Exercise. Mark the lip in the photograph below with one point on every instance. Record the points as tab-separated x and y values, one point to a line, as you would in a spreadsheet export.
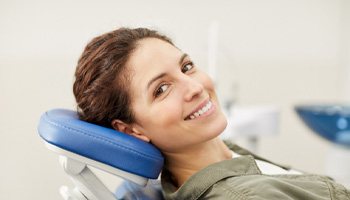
201	105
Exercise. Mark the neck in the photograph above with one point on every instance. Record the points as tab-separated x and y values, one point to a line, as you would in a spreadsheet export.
184	164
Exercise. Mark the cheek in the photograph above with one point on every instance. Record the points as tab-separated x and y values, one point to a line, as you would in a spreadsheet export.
162	115
168	112
163	128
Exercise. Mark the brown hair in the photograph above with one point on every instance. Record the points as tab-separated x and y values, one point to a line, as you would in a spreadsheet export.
101	79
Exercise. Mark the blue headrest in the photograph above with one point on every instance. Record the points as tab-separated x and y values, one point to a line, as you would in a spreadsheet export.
63	129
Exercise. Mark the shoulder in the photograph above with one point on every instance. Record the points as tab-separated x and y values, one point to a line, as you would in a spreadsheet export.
257	187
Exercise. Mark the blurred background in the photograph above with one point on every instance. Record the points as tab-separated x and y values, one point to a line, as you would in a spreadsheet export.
278	53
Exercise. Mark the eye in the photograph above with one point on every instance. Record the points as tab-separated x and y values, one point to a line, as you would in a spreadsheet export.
187	67
160	90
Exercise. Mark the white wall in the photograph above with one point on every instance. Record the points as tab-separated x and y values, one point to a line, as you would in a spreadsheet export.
278	52
344	51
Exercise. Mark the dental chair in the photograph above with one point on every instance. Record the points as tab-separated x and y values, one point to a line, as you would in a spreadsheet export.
82	145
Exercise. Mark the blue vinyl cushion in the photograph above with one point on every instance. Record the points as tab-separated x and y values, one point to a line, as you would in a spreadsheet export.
64	129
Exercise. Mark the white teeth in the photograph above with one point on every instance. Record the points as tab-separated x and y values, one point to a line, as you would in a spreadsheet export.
201	111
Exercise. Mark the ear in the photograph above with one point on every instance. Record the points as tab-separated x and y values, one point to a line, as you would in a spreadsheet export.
129	129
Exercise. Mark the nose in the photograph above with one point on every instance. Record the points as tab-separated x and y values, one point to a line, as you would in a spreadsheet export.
192	88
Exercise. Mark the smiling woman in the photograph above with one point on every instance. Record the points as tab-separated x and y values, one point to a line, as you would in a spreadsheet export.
138	82
165	80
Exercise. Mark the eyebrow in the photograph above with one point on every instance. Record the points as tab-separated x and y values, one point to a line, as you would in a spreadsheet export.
182	58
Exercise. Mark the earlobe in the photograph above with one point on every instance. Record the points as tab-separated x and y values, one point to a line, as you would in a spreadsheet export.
128	129
140	136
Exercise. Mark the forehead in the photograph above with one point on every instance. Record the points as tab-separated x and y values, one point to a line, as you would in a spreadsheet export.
151	51
150	58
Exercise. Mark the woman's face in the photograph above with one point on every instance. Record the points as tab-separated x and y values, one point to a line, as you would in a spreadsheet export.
174	103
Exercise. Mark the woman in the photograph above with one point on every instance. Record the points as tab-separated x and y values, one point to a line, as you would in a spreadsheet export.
138	82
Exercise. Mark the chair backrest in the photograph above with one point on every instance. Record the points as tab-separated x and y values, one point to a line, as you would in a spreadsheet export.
63	129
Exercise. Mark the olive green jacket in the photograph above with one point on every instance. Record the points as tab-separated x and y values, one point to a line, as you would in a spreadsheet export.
241	179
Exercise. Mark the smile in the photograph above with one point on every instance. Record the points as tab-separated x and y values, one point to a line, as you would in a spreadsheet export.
201	111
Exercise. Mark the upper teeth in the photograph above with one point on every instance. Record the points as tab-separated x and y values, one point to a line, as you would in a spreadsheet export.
201	111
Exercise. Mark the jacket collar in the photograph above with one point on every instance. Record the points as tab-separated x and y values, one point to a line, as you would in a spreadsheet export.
198	183
237	149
